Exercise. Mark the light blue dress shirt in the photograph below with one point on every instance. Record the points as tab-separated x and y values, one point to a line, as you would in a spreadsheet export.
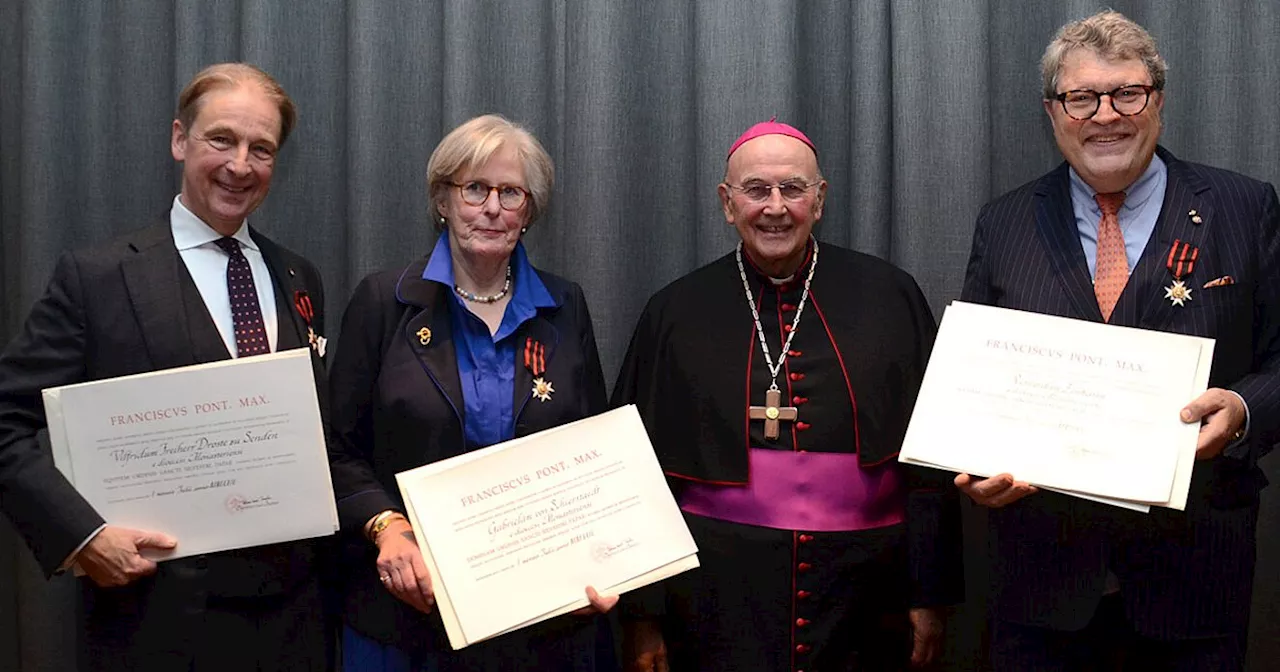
1142	202
1138	217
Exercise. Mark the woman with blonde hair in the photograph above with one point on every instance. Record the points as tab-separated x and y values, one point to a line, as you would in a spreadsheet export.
463	349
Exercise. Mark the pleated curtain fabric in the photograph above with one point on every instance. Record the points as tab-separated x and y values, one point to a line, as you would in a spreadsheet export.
921	111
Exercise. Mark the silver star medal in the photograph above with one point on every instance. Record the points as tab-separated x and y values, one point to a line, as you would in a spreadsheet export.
542	389
316	341
1178	293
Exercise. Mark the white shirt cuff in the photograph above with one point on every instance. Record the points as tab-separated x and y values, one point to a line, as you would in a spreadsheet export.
71	558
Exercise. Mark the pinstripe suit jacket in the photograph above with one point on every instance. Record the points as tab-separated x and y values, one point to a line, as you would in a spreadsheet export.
1182	574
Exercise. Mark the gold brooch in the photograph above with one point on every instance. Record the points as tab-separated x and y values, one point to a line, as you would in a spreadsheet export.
424	336
542	389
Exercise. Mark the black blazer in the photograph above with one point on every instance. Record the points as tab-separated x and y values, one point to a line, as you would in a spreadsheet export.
1182	574
397	404
123	307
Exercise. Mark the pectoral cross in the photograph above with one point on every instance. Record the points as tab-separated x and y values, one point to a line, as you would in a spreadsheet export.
772	412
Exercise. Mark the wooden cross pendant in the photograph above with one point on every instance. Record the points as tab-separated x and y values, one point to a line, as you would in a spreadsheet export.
771	413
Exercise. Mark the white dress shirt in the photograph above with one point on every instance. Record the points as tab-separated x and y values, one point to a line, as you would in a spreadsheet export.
207	264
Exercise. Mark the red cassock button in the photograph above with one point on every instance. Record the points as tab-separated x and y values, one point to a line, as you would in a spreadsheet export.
806	538
787	306
794	353
803	426
796	376
803	594
803	648
804	567
799	400
786	328
801	622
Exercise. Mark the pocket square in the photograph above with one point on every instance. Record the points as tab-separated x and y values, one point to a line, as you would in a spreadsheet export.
1220	282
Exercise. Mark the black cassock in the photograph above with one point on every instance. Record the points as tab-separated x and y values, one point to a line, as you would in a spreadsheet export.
790	599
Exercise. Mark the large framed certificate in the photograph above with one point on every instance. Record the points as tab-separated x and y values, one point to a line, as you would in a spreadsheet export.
512	534
1075	406
219	456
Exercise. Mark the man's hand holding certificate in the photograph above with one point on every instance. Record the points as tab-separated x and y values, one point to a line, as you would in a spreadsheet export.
215	456
1083	408
514	533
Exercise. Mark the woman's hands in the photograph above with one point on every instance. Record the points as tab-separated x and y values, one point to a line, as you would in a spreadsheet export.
400	566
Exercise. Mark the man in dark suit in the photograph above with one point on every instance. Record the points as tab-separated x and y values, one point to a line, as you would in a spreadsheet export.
156	299
1126	233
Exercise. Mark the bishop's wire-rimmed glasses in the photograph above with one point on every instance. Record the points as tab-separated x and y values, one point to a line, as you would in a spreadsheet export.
759	191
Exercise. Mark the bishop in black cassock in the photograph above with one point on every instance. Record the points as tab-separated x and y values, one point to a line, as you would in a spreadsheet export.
818	550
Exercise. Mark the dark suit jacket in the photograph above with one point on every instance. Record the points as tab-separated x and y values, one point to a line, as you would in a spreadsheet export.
1182	574
123	307
397	404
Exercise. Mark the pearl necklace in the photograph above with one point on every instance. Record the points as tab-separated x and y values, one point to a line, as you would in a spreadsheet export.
492	298
795	322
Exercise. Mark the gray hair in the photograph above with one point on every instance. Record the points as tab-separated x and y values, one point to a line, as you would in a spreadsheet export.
1109	34
472	144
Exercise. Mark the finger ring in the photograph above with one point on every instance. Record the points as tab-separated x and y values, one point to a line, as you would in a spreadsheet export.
385	578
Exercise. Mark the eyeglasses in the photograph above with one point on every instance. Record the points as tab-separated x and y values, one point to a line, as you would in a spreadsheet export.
759	192
510	197
1128	100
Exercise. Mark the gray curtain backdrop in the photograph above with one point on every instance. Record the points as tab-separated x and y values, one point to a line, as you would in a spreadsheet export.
922	111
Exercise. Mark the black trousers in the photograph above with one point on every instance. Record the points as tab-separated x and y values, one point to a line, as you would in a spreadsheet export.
1109	644
168	628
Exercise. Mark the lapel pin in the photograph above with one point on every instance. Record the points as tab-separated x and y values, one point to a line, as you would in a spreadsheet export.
424	336
292	273
1195	217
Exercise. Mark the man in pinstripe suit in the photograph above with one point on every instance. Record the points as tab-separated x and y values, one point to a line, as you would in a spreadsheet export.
1125	232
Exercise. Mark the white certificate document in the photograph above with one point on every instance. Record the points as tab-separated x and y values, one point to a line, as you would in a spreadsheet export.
219	456
1069	405
514	533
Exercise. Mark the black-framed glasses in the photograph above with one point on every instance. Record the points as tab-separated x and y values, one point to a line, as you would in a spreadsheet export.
759	191
475	192
1127	100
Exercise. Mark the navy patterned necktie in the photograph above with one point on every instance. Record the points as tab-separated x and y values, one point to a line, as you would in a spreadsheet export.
246	314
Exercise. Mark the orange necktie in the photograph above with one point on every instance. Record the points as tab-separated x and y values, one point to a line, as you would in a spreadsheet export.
1112	267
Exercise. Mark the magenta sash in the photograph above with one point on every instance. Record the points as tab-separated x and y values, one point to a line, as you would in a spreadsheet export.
818	492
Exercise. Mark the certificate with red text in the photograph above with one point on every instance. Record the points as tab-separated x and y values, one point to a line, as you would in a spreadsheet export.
514	533
219	456
1084	408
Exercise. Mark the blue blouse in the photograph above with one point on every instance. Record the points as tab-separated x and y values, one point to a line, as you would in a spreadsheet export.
487	363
